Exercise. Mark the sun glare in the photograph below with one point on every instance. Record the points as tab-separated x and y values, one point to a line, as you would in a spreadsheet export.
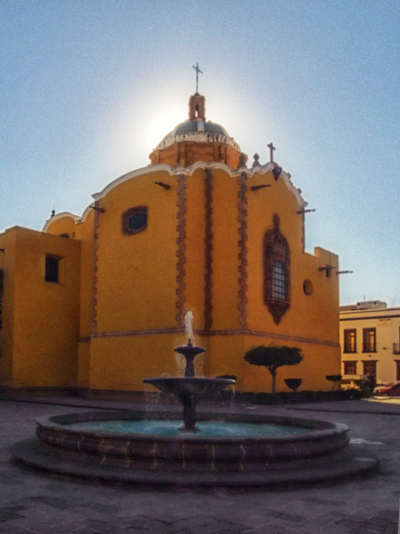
162	123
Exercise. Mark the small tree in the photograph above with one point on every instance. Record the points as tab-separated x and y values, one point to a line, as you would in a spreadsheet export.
272	357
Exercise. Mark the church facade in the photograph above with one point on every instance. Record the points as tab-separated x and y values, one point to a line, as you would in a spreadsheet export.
96	303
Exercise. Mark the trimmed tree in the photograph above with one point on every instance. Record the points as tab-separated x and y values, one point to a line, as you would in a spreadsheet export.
272	357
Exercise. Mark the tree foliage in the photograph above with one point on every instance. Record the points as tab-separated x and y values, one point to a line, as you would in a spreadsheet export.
273	357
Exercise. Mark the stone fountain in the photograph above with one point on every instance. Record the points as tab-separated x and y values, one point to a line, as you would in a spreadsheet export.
210	449
190	389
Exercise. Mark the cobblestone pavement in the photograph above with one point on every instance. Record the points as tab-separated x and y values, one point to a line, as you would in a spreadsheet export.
35	502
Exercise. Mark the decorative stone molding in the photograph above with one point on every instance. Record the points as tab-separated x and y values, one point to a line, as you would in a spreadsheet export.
276	249
242	245
181	251
95	268
187	171
208	197
231	332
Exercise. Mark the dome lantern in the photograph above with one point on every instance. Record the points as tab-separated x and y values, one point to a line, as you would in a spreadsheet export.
197	107
197	140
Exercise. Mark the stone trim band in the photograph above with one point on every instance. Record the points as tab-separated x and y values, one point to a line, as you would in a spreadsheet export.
180	253
242	245
179	330
208	252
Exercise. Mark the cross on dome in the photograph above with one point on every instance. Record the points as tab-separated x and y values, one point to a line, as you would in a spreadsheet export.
271	151
196	68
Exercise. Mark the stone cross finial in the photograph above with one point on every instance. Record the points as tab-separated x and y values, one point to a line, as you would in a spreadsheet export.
271	152
196	68
256	163
242	160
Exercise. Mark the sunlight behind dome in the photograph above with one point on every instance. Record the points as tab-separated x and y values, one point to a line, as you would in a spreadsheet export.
163	123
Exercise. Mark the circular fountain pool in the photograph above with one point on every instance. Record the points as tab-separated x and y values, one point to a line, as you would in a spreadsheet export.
244	450
204	428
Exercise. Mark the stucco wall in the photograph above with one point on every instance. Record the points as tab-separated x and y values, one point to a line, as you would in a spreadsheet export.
202	250
41	319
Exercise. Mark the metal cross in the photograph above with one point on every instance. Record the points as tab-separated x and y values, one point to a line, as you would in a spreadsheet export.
271	152
196	68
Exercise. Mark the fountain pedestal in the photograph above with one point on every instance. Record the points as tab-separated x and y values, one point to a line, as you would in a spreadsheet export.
189	389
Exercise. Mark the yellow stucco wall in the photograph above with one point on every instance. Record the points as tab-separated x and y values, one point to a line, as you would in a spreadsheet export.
121	310
137	273
41	319
195	239
82	231
225	356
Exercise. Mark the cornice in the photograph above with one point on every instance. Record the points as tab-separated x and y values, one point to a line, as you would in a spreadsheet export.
199	136
61	215
186	171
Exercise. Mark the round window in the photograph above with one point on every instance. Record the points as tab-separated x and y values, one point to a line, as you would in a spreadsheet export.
307	287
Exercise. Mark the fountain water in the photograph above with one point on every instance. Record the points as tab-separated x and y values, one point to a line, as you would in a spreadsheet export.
227	449
189	390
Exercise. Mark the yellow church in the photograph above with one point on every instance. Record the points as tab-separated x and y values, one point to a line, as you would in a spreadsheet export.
95	303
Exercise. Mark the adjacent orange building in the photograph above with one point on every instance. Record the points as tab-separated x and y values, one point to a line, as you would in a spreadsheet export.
97	302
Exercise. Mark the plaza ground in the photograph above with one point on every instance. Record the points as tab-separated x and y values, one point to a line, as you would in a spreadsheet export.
37	502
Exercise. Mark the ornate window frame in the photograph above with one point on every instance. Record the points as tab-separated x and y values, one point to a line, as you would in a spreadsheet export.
128	214
276	249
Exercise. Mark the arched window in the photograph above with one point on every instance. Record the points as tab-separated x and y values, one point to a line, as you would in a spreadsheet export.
279	280
276	271
134	220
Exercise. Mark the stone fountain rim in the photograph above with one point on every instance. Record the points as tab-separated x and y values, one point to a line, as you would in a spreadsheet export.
323	429
345	461
227	381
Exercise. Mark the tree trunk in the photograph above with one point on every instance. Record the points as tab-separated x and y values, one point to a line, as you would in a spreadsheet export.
273	373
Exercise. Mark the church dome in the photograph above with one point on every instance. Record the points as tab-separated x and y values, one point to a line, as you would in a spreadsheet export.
198	131
199	126
197	139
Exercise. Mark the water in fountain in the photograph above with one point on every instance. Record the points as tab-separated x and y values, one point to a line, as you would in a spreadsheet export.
189	389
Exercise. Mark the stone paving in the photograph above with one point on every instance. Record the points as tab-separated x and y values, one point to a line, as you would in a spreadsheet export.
36	502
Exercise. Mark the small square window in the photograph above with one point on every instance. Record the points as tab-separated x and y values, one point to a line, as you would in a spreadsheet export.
51	269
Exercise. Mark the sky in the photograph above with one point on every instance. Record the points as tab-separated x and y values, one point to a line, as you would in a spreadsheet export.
89	87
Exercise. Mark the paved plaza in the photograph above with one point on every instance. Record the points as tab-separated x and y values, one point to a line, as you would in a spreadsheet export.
37	502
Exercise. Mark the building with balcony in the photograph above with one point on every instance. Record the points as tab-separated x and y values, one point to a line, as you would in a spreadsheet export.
370	340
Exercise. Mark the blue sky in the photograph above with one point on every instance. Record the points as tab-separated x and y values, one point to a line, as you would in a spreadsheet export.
88	89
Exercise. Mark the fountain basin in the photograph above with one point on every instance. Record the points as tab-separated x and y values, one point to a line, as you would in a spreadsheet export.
318	453
57	435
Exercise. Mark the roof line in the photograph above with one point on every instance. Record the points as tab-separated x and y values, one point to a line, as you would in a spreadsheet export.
187	171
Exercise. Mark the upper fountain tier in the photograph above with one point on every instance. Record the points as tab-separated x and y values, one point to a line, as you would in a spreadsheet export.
197	139
189	389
